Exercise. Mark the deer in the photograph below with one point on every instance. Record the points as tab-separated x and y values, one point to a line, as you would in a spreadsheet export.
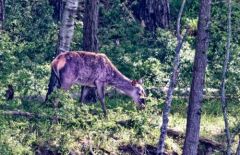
94	70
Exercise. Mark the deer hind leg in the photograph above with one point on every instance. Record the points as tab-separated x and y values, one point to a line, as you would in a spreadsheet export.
100	92
67	79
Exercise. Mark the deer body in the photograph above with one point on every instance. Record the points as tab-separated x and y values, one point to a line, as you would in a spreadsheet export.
94	70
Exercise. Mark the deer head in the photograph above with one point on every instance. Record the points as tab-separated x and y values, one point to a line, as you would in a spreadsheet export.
138	94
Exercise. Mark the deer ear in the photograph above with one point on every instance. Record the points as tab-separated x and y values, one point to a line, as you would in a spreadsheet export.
140	81
134	82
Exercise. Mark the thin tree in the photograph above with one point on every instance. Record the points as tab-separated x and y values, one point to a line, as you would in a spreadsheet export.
67	25
198	80
90	42
172	83
2	13
223	81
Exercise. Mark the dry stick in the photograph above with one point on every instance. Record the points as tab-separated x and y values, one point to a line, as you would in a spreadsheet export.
223	82
172	85
125	8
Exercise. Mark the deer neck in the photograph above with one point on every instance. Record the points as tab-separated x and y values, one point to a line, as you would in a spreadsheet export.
121	82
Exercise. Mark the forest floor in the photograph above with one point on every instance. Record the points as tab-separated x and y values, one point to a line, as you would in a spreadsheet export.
71	128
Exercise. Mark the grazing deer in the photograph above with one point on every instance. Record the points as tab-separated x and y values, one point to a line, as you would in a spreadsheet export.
94	70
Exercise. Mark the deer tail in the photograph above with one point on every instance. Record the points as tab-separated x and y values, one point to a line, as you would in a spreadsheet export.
53	82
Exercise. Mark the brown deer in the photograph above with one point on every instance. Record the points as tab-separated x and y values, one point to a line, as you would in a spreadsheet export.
94	70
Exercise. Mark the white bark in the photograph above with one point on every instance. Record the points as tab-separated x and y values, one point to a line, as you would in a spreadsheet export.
67	25
223	83
172	85
238	149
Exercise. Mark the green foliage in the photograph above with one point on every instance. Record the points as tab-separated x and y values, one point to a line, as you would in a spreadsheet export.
24	47
31	23
82	128
152	72
218	48
76	43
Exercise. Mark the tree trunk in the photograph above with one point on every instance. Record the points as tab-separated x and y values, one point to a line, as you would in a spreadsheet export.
223	82
238	148
67	25
58	6
198	80
90	42
153	13
172	85
2	13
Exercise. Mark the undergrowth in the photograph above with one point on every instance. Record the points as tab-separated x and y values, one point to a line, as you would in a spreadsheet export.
83	129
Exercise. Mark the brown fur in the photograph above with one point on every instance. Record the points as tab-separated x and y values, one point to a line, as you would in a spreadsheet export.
58	63
88	66
94	70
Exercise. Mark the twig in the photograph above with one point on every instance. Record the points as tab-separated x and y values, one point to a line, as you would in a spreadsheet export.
128	11
135	150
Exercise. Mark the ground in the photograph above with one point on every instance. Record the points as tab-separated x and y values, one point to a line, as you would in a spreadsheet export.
81	128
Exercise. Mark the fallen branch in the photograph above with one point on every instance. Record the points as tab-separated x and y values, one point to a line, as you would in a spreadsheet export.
29	115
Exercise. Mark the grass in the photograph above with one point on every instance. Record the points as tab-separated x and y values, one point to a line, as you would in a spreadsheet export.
84	129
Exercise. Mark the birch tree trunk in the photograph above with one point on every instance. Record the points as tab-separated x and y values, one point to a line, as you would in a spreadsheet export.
238	148
90	42
67	25
172	85
223	82
2	13
198	80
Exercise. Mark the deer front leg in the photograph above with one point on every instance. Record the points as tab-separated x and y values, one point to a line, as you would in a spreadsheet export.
83	94
100	92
